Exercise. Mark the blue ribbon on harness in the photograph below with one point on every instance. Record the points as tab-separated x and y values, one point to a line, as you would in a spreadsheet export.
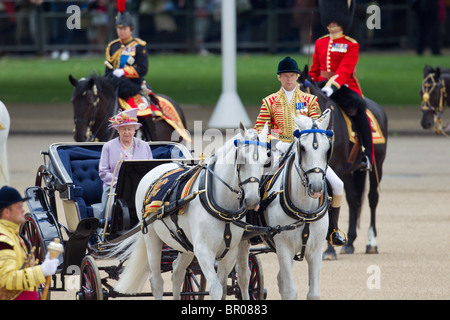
258	143
298	133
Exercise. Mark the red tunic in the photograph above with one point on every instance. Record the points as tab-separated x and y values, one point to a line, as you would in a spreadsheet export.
335	60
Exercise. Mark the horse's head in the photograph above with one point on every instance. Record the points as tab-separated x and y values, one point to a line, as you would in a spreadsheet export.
313	148
308	85
85	102
251	155
434	97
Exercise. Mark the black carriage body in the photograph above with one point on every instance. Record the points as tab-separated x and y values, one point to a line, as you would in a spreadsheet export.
71	169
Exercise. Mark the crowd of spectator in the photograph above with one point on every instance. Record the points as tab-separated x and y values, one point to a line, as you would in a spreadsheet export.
195	25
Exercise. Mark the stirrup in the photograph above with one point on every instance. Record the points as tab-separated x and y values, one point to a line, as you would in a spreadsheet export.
337	232
365	165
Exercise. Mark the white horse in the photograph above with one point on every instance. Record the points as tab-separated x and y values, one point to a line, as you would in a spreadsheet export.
5	123
233	176
300	184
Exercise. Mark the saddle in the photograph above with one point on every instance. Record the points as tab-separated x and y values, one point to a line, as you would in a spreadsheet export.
170	192
157	107
167	196
377	134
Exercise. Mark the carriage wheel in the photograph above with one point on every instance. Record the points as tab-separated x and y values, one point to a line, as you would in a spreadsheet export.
90	281
33	234
193	282
256	285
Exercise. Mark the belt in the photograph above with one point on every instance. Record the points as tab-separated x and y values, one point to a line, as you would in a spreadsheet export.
326	74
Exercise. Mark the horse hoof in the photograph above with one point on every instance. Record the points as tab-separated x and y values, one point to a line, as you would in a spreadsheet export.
329	255
371	249
347	249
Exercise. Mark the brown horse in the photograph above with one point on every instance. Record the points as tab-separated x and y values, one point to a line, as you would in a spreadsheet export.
94	102
435	98
354	179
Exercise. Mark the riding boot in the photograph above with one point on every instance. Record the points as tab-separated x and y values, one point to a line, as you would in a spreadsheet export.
336	240
364	129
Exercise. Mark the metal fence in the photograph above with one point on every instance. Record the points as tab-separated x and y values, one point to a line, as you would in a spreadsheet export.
270	26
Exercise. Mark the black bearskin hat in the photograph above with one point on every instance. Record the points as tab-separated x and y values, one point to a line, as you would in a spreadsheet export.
339	11
288	65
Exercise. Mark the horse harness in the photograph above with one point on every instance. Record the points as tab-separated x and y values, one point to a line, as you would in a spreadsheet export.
427	89
206	175
302	217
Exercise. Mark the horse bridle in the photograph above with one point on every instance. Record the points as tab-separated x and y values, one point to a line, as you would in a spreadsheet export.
90	136
237	143
207	198
241	183
427	89
303	174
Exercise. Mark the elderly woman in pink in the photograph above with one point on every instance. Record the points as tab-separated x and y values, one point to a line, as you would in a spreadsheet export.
126	147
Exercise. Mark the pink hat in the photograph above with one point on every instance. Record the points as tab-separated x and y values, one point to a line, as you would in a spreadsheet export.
125	118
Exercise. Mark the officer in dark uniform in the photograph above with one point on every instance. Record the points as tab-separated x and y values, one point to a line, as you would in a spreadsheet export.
126	59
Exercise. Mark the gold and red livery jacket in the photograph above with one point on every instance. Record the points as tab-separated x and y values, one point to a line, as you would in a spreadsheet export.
277	111
17	274
335	58
132	57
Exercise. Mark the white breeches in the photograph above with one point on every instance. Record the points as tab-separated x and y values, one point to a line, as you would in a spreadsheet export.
337	186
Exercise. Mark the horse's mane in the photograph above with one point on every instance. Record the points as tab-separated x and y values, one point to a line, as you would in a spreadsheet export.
100	81
225	154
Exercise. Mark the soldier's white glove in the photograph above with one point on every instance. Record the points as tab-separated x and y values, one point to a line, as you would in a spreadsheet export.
328	91
118	73
49	266
282	146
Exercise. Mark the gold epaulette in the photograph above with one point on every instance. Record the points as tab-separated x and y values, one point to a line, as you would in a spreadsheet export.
351	39
140	42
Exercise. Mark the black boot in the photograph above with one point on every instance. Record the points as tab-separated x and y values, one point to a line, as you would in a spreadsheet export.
333	236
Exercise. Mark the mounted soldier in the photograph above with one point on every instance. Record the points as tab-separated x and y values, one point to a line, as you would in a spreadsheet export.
334	67
127	65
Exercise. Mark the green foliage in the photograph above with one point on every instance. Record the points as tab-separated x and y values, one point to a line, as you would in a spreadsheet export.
389	79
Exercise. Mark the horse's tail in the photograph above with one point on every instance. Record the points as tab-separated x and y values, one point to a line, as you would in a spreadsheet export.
136	270
4	168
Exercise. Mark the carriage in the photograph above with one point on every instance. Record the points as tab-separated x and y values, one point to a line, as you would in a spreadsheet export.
71	170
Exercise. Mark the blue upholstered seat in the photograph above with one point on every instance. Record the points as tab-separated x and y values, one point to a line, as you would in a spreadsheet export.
81	164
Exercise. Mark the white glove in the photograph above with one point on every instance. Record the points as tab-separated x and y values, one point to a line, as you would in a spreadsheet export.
328	91
118	73
49	266
282	146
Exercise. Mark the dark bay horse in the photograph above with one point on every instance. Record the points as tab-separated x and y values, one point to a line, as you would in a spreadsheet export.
354	179
435	97
94	101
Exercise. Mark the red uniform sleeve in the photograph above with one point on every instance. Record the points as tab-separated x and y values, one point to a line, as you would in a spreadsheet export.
314	72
